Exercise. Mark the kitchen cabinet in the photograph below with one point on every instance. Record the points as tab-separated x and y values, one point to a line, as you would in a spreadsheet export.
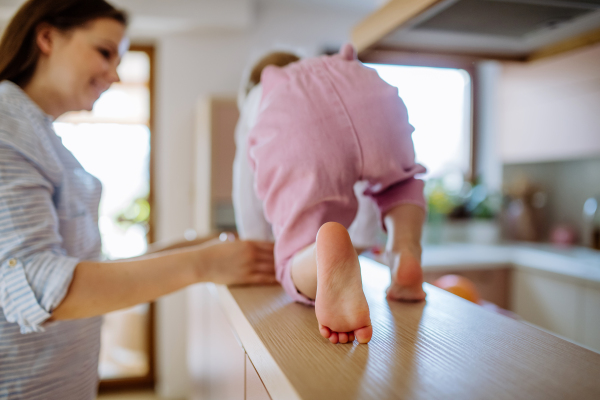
591	316
549	301
556	290
216	360
254	388
548	110
493	285
218	364
566	306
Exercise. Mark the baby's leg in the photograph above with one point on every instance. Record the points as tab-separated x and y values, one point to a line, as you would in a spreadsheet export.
328	271
404	223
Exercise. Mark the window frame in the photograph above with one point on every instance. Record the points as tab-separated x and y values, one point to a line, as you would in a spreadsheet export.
147	381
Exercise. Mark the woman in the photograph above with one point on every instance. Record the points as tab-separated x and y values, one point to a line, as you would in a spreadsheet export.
59	56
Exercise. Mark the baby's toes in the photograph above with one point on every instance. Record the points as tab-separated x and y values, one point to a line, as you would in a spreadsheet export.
325	331
343	337
363	335
333	338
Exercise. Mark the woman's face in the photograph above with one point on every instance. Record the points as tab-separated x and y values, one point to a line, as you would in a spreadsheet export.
82	63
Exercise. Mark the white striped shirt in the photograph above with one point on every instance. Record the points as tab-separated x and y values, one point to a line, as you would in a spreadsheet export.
48	223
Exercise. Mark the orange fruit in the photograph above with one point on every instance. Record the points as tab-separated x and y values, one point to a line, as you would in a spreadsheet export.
458	285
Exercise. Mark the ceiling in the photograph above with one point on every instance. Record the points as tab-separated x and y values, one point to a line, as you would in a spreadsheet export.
153	18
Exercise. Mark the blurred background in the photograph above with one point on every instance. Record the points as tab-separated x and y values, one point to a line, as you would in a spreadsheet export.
504	97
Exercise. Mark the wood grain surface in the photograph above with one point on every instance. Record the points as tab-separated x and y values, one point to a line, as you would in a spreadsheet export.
386	19
444	348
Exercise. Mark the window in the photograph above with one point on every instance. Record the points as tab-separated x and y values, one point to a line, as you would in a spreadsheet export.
439	107
112	142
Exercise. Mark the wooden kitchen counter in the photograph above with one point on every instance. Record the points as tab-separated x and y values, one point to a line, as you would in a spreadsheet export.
443	348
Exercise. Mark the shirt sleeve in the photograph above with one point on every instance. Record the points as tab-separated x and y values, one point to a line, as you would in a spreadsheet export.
35	271
249	215
365	231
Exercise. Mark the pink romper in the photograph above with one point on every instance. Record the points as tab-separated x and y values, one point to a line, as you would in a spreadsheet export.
324	124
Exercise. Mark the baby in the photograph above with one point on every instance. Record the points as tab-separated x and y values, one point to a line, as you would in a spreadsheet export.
365	231
324	124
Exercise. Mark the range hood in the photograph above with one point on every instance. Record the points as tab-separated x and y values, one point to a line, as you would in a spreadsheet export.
504	29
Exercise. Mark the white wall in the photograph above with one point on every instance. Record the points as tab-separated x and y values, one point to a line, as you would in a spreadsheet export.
488	164
194	65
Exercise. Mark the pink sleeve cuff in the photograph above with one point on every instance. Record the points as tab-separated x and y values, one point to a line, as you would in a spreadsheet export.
409	191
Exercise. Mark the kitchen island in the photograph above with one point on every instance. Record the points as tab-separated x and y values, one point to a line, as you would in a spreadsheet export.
445	347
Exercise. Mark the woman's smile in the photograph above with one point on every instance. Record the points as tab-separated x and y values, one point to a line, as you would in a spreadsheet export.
99	88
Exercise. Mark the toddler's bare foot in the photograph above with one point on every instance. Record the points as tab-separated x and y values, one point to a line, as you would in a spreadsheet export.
407	278
340	304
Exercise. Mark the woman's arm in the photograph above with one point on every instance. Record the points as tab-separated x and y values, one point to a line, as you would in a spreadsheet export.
157	247
101	287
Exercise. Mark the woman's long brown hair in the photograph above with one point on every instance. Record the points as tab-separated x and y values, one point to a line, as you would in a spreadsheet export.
19	52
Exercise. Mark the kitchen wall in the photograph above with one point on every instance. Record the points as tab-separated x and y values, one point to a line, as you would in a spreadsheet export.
567	183
549	130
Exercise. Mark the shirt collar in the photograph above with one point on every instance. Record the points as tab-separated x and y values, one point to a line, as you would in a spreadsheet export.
14	91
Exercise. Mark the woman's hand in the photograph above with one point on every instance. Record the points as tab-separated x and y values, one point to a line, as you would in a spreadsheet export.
237	262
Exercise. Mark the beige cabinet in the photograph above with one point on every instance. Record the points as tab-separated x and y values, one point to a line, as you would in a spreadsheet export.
493	285
549	301
549	108
216	360
254	387
559	304
591	316
219	367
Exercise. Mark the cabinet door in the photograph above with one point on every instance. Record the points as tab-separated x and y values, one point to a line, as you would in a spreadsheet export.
591	316
549	108
216	360
492	284
548	301
255	390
